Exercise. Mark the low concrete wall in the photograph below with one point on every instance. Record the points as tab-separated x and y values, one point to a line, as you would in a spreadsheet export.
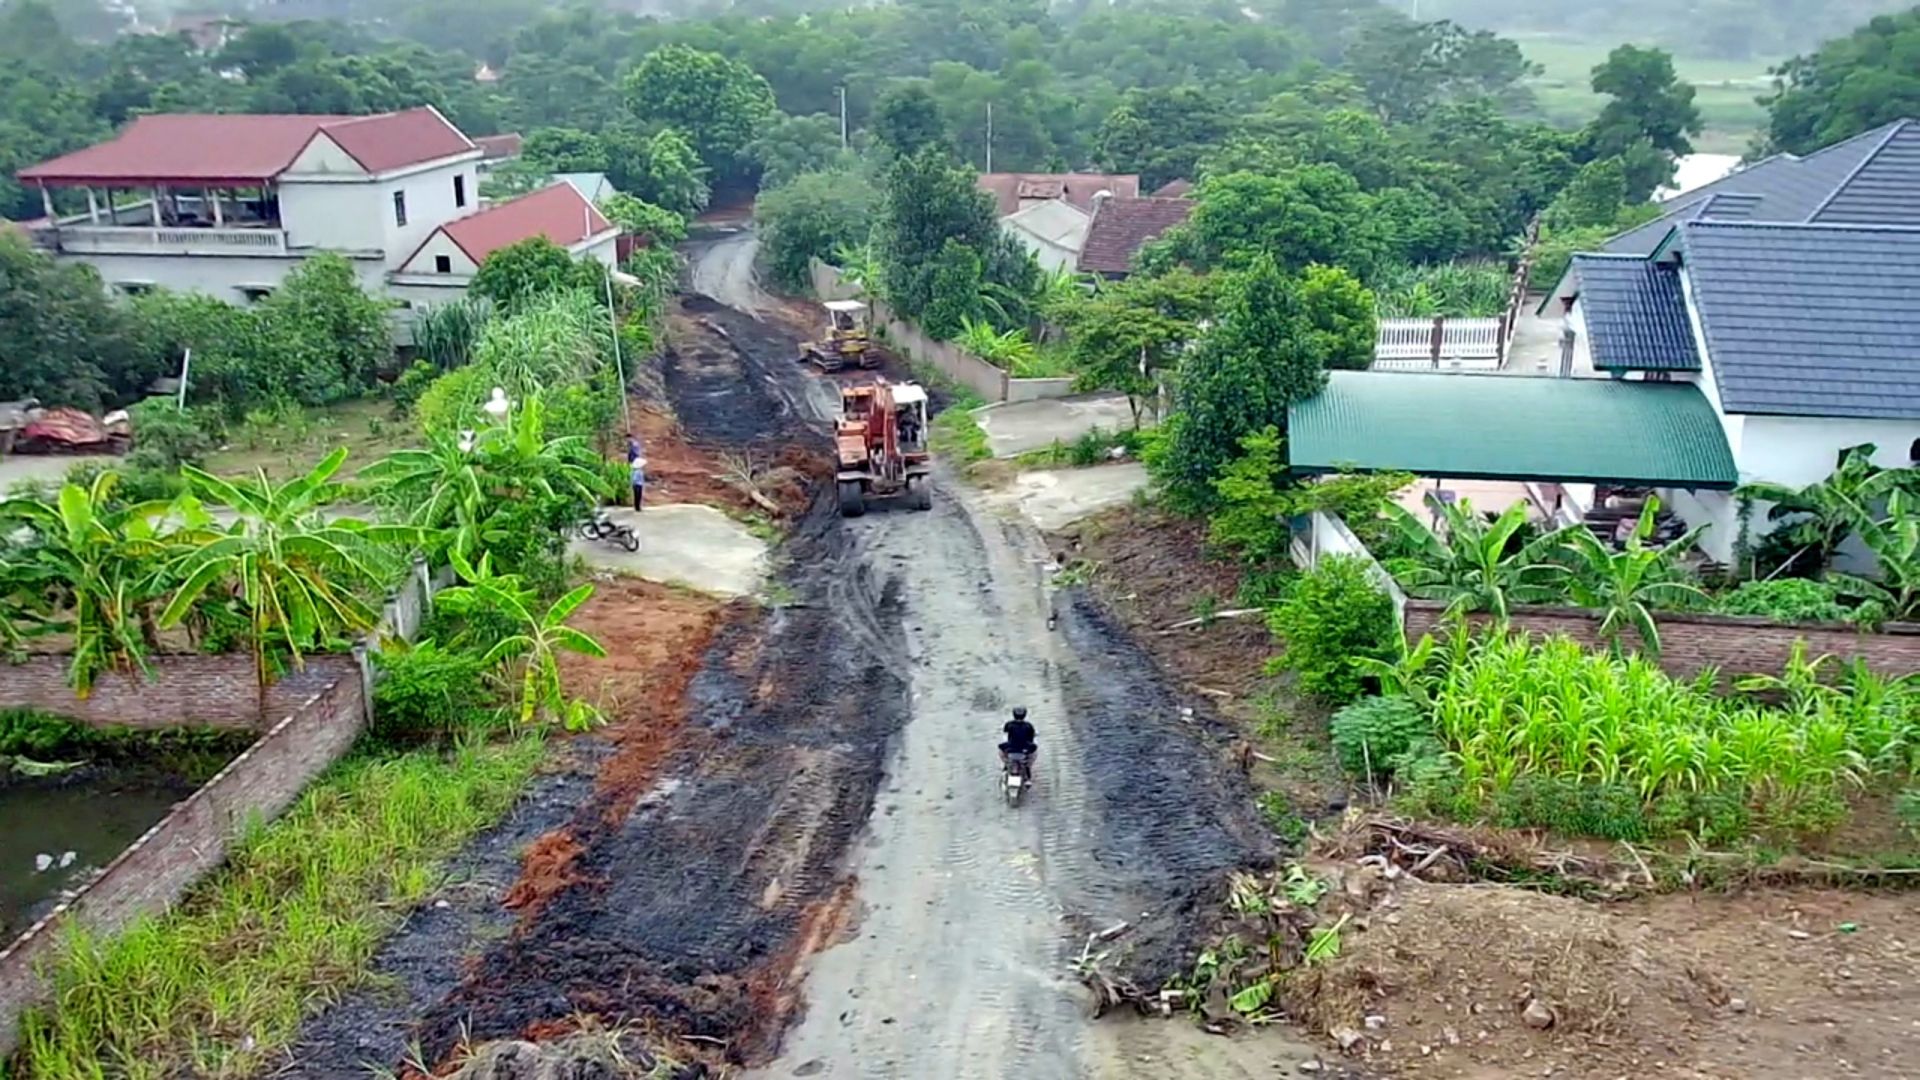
213	691
148	877
1320	534
1736	645
1038	389
970	371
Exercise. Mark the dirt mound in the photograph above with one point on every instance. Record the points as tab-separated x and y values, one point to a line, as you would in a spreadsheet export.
1451	965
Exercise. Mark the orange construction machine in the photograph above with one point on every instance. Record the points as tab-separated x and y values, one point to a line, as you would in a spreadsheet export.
881	437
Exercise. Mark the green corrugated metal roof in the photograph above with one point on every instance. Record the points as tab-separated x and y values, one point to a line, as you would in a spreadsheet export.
1512	427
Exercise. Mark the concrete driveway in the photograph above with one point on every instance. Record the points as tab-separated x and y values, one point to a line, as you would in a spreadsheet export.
1056	498
1014	429
683	544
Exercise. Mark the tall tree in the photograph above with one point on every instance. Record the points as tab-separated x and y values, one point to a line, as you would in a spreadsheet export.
927	202
907	120
1649	103
1848	85
1263	355
1312	214
1161	133
720	104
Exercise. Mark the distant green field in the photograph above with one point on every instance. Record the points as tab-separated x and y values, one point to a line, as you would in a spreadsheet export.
1726	88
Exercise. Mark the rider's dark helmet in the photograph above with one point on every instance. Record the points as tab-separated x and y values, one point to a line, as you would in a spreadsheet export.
1019	712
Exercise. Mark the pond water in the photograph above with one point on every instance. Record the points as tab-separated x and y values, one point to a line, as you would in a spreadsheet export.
94	817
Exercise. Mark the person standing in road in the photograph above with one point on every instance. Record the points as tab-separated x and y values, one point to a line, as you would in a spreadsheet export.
637	468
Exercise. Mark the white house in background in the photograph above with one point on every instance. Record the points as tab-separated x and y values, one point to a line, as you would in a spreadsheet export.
228	205
445	262
1798	334
1054	230
594	185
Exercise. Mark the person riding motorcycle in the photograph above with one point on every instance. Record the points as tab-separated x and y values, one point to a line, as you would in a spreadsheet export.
1019	735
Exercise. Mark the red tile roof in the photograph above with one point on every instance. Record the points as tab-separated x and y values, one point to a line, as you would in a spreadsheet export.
189	148
559	213
1174	189
1008	189
1121	227
498	147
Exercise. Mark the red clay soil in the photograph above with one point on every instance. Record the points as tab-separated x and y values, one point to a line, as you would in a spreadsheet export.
655	636
547	869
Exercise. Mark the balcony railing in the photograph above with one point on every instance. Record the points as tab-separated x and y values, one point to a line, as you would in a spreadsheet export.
147	240
1437	344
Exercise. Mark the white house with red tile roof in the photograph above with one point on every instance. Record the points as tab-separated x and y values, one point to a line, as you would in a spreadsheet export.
228	205
450	256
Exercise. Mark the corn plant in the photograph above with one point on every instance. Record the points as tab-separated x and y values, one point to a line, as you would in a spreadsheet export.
1509	706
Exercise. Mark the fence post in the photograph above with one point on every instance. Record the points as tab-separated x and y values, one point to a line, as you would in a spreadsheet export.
1433	344
365	664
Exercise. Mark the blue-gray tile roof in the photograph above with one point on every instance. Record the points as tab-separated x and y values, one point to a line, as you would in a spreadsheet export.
1873	177
1636	314
1808	320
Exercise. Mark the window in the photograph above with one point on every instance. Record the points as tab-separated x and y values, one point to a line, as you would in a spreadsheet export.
1913	452
135	288
400	208
460	190
443	264
253	294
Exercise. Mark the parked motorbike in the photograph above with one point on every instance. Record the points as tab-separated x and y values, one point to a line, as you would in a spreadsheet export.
603	528
1017	775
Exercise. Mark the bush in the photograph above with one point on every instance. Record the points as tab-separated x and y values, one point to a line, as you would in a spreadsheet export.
1572	807
166	436
1907	808
1333	615
452	401
1374	737
1786	600
429	692
412	384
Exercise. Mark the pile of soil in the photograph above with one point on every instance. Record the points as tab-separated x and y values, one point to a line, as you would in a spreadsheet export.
1450	979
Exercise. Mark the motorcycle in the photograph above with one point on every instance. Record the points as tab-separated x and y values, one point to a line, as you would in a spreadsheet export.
1017	775
603	528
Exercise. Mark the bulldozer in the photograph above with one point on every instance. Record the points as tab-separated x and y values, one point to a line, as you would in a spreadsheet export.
847	340
881	439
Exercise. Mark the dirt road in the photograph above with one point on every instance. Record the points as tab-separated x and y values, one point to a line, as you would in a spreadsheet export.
970	914
794	850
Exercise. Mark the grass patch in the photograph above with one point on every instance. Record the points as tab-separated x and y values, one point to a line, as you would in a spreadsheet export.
218	987
958	437
1093	448
287	442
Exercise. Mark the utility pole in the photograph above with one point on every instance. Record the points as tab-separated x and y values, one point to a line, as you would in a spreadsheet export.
989	136
843	118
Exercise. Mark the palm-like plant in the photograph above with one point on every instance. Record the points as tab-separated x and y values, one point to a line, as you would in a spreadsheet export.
455	483
1466	562
99	564
299	575
554	341
859	266
1895	543
534	646
1819	516
1627	585
1007	351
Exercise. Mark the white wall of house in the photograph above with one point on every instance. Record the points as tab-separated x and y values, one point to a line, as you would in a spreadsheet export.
603	249
223	277
327	202
1798	451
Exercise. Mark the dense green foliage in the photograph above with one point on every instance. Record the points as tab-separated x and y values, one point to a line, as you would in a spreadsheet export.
1508	708
1379	736
1331	620
1848	85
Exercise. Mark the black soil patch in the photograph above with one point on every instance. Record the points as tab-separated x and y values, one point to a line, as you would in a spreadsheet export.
689	911
1177	813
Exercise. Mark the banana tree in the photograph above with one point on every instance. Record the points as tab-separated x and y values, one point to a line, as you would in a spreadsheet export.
302	576
1895	544
1628	585
534	646
456	482
1820	516
89	568
1466	562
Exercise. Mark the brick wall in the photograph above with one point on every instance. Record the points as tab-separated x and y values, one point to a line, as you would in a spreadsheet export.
211	691
1737	645
153	873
